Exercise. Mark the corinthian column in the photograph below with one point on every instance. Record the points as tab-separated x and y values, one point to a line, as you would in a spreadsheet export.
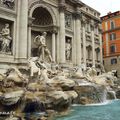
78	37
53	46
84	39
100	39
93	43
62	31
23	23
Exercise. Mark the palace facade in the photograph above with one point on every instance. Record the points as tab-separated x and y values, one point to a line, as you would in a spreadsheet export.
111	41
70	25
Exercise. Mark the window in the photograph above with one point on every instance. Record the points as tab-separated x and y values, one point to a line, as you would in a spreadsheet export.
112	25
102	39
113	61
106	26
96	30
112	36
87	27
103	62
103	51
112	48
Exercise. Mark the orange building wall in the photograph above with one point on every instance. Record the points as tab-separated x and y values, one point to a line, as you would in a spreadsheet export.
110	42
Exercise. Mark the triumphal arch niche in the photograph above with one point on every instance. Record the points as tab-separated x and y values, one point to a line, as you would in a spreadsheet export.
42	19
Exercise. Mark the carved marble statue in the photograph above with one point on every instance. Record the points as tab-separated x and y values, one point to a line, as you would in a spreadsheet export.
68	49
40	41
33	67
6	39
37	66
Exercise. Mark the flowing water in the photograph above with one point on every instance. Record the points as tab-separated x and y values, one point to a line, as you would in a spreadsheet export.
107	111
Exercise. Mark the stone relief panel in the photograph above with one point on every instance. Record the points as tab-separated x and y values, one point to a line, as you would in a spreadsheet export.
8	3
68	21
5	38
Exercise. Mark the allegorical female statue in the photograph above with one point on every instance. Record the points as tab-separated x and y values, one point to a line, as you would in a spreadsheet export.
6	39
68	49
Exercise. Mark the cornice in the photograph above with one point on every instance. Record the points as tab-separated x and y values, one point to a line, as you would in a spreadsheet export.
91	16
77	3
8	12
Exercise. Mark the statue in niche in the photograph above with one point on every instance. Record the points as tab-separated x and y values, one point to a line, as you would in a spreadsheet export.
6	39
40	41
8	3
68	49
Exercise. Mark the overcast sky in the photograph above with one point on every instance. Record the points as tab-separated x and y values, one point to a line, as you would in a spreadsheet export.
103	6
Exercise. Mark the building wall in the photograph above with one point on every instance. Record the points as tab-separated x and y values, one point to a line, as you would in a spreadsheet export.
107	43
109	66
63	13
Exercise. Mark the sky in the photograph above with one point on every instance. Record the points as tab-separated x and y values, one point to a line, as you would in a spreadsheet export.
103	6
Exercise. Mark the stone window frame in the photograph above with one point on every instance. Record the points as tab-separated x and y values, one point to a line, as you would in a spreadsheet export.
97	50
87	27
89	50
96	30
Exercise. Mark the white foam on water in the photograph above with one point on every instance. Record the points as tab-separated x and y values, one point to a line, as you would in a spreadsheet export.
97	104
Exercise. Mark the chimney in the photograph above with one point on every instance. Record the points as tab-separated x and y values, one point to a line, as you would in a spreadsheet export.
109	13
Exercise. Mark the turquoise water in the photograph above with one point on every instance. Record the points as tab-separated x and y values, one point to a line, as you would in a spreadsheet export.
102	112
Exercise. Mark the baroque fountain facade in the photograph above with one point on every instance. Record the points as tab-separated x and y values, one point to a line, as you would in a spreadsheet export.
50	58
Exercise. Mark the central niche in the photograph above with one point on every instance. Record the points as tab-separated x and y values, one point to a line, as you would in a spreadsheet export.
42	23
34	47
42	17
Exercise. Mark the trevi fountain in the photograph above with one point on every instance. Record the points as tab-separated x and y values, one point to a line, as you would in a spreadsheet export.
44	90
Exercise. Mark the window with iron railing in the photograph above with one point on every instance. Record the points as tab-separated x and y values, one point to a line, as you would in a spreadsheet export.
112	36
112	49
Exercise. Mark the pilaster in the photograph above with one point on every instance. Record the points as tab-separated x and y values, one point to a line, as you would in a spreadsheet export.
100	39
78	36
53	45
93	42
84	38
62	30
23	21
